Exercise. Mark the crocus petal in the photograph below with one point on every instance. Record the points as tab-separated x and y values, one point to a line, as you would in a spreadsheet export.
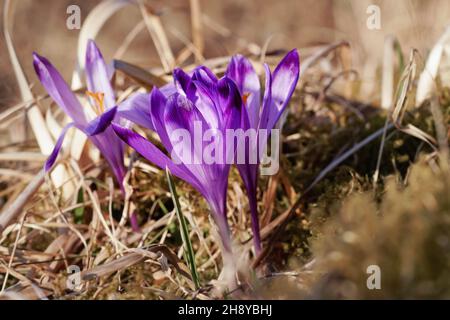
241	71
267	99
184	84
157	106
204	74
284	80
233	111
207	104
136	108
206	77
110	70
180	114
230	101
111	147
100	123
52	158
249	171
58	89
168	89
249	174
97	77
149	151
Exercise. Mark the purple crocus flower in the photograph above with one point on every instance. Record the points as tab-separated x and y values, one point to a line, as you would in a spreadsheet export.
279	87
200	102
103	102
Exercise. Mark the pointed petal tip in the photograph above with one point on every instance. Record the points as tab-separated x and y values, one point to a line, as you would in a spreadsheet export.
48	165
240	58
237	57
36	62
294	51
204	74
284	80
155	89
101	123
292	57
227	85
181	76
42	66
36	56
92	51
156	93
54	155
177	70
39	62
289	67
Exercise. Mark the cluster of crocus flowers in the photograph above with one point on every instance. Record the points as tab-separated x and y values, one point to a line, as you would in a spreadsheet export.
230	103
195	101
217	106
94	119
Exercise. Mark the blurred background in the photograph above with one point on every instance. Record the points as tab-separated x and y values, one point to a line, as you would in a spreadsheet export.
264	30
228	27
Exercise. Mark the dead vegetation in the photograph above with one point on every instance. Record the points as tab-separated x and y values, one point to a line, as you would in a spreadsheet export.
348	194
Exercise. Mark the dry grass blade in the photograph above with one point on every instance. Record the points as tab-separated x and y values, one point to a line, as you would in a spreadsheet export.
22	156
380	153
442	130
91	26
129	39
11	258
196	22
159	38
52	125
387	81
140	75
311	60
341	142
16	173
121	263
269	200
404	88
428	76
134	257
37	122
190	47
34	115
25	290
10	214
387	92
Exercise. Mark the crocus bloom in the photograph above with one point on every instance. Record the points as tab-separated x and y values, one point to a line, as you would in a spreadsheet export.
216	105
102	101
279	87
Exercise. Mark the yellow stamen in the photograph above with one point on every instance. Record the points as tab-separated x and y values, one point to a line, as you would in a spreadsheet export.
98	98
245	97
